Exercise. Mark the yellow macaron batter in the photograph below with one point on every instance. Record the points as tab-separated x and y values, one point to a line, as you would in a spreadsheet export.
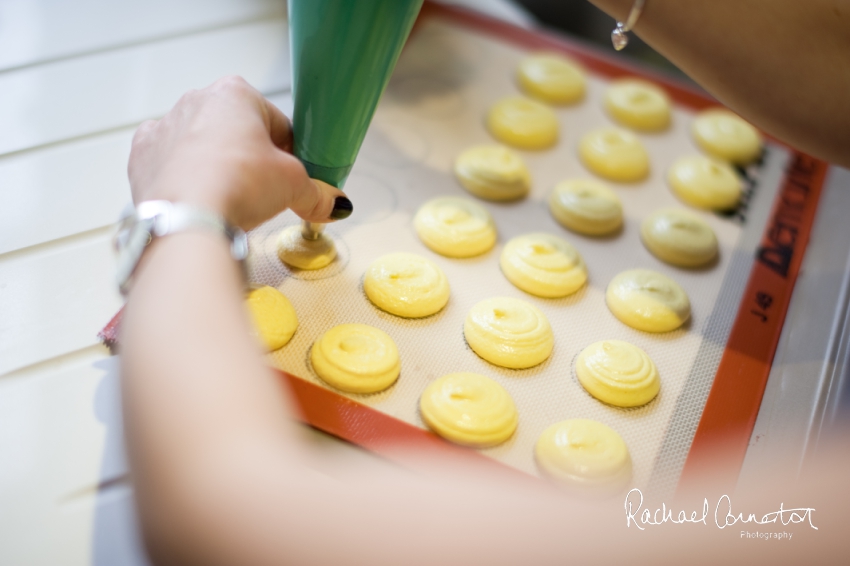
455	227
493	172
552	78
509	332
469	409
296	251
647	300
586	206
614	154
523	123
705	182
273	316
356	358
725	135
406	285
618	373
638	104
544	265
679	237
584	456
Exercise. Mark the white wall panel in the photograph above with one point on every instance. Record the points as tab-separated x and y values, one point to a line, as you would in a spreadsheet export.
39	30
71	98
55	300
55	428
63	190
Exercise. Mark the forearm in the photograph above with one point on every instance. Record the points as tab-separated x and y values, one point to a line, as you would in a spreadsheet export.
219	472
221	476
782	64
196	390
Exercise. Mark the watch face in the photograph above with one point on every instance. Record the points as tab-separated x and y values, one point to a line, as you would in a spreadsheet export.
130	242
159	218
119	241
239	245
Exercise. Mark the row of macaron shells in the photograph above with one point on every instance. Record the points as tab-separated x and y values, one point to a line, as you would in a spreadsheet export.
471	409
589	206
494	415
702	182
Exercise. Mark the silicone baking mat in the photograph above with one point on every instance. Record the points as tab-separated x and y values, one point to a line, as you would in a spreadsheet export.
453	68
713	370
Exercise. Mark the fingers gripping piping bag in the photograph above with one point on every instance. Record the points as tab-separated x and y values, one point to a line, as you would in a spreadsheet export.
343	54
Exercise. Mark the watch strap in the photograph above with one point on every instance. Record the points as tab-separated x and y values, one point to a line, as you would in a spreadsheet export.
158	218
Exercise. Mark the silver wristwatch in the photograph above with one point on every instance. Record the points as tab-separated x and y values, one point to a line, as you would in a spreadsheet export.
156	218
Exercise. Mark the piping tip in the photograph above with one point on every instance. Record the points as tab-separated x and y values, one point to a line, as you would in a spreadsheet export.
311	230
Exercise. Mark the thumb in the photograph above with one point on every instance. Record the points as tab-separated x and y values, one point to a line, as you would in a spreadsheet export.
317	201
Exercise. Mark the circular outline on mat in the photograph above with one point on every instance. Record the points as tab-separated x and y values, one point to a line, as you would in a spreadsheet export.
379	182
337	266
454	100
406	162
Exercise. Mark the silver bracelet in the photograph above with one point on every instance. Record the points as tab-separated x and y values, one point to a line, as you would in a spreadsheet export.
618	36
156	218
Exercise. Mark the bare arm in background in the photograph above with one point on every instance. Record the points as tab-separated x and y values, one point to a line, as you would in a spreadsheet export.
784	65
220	474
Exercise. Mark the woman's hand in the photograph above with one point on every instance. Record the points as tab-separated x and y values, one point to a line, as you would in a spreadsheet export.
227	149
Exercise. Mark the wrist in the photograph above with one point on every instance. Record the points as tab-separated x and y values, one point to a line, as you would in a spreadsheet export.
205	199
152	220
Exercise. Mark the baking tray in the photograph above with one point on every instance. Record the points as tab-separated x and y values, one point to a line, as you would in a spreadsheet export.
713	370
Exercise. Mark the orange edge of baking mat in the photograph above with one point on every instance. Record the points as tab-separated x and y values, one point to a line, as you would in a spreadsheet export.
727	422
383	434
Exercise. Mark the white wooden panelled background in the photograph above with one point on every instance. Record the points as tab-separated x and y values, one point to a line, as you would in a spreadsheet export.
76	78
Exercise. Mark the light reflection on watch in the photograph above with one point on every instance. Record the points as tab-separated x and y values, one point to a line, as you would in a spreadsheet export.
156	218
